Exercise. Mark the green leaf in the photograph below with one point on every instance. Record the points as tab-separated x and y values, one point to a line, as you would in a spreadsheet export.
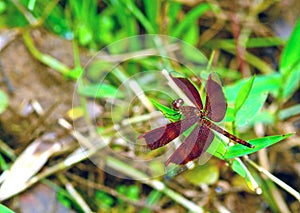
289	112
291	81
259	143
218	148
190	18
153	197
239	167
250	102
139	15
251	43
56	20
99	91
230	116
264	117
4	209
291	53
169	113
204	174
3	101
174	10
191	36
3	7
289	65
63	198
264	83
152	9
84	33
133	192
194	55
251	107
104	200
243	94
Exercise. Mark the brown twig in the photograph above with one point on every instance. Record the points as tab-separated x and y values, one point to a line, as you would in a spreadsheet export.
6	80
240	51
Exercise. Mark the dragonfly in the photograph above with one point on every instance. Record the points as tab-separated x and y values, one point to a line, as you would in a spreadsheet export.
204	119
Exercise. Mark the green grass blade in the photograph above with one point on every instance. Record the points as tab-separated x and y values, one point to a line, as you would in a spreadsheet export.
250	58
190	18
152	9
291	52
173	11
130	5
289	64
191	36
99	91
153	198
251	43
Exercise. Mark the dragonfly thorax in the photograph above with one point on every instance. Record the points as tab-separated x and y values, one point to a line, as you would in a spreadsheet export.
189	111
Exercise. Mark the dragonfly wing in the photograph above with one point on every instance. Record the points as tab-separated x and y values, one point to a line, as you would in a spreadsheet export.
163	135
189	89
193	146
215	106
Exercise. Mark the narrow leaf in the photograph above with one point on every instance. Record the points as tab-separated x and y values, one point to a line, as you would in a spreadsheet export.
291	81
289	112
190	18
3	101
264	83
243	94
239	167
99	91
250	108
153	197
259	143
4	209
217	148
169	113
139	15
289	65
291	52
152	10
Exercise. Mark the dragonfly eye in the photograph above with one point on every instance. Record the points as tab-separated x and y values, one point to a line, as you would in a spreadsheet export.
177	103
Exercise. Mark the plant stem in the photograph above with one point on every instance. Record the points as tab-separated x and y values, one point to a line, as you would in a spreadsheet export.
276	180
158	185
45	59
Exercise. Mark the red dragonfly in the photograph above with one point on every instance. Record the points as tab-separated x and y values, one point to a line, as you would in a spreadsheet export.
202	135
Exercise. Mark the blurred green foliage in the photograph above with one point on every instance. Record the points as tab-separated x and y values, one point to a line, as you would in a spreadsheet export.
3	101
4	209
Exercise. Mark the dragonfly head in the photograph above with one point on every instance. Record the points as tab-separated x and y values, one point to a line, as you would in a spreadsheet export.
177	103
